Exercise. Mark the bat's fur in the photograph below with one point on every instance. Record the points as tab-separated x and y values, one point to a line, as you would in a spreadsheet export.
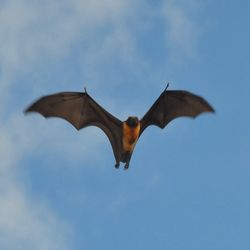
131	131
130	134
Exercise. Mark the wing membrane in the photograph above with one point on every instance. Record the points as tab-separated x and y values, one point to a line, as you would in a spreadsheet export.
81	111
174	104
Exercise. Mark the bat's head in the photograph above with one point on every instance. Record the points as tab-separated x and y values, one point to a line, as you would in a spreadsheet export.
132	121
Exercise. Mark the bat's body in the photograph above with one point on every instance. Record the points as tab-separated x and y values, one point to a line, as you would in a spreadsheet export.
82	111
130	135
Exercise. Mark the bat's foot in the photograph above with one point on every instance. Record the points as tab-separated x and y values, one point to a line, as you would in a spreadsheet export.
117	165
126	166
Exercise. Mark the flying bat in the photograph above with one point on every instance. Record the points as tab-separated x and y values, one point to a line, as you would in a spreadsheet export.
81	110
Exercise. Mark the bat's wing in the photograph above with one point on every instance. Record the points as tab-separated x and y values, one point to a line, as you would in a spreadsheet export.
173	104
81	111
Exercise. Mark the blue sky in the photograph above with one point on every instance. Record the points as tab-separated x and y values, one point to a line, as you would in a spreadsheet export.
187	186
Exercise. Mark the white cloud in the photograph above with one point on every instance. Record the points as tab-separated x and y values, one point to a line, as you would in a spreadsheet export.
29	225
25	223
34	31
182	30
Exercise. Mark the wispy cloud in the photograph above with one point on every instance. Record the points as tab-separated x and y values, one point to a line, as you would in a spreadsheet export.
32	32
26	224
182	30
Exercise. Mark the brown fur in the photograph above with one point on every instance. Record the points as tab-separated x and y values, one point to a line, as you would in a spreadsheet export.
130	136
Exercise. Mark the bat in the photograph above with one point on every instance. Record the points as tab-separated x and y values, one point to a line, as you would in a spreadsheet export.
81	110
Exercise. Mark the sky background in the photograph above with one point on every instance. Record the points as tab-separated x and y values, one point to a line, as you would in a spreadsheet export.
188	186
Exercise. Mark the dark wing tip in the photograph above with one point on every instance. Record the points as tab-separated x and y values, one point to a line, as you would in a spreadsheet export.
212	110
29	109
209	108
33	108
206	108
26	111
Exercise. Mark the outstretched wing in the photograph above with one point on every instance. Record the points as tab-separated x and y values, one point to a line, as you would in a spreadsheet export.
81	111
172	104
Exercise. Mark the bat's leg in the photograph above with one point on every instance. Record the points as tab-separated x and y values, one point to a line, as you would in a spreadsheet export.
117	164
126	166
128	157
